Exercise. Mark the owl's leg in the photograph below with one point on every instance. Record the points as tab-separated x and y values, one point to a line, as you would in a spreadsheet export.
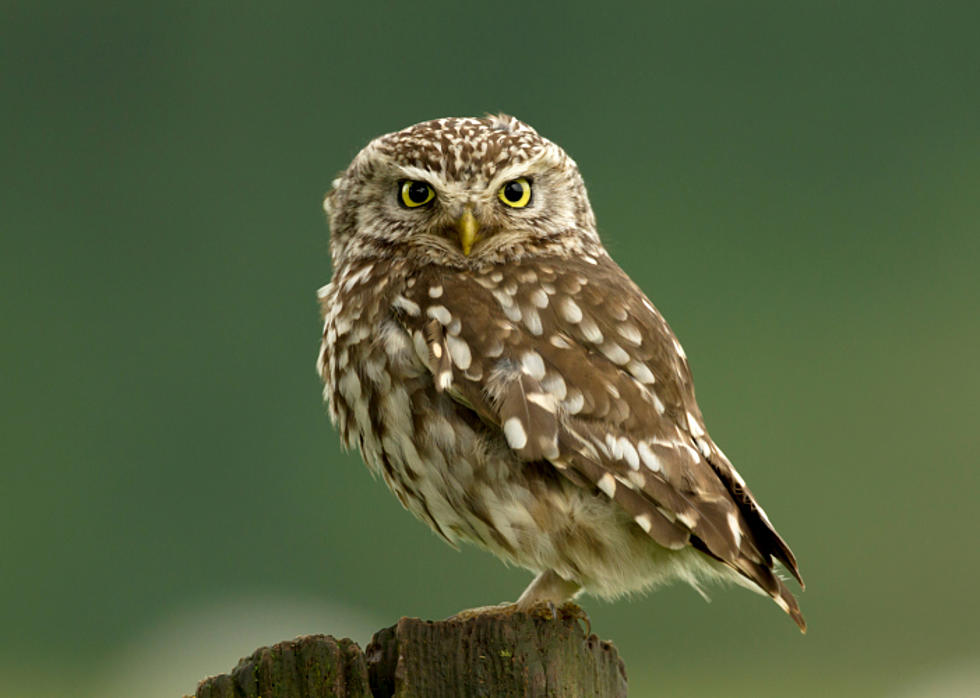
553	594
548	587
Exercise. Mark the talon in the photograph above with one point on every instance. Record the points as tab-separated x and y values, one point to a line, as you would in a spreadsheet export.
573	610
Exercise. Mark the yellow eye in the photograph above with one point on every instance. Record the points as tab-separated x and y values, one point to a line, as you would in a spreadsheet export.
516	193
415	193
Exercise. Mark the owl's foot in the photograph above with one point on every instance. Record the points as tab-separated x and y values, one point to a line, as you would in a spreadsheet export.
553	593
545	610
548	596
567	610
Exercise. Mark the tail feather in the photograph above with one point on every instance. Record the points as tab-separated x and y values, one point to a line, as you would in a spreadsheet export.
773	586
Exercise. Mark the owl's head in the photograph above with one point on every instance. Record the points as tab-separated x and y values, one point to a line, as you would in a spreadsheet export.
460	192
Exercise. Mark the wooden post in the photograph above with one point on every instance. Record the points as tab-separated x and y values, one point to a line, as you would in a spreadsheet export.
486	654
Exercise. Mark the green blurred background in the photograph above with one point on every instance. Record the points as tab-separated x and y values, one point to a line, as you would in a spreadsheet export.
796	185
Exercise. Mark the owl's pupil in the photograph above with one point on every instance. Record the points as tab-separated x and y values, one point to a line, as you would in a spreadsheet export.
514	191
418	192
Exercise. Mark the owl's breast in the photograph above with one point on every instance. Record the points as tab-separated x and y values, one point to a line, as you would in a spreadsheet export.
367	362
431	451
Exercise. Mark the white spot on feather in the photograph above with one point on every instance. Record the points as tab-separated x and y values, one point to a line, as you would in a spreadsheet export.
630	333
641	372
570	311
533	322
613	447
555	385
637	479
615	353
533	365
505	300
444	380
736	529
650	458
607	483
590	331
515	434
643	521
691	451
527	276
629	452
687	518
459	350
542	400
407	306
435	291
512	312
693	425
440	313
624	481
575	401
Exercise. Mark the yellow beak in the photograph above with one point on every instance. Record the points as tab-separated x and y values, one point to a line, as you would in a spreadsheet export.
467	228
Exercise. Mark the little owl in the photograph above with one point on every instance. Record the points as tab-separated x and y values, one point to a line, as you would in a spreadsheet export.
511	384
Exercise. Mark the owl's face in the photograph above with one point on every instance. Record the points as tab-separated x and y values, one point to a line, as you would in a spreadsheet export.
460	192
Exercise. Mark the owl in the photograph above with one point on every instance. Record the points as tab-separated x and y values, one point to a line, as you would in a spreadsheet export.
510	383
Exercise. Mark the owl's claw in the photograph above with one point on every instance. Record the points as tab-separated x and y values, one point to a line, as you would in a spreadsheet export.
551	611
573	610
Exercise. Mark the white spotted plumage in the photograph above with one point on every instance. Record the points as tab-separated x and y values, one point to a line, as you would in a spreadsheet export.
519	391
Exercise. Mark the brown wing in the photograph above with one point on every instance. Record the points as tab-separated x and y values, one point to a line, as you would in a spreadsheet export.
578	368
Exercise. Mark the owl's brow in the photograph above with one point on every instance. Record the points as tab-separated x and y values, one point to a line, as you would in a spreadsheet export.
413	172
512	171
518	169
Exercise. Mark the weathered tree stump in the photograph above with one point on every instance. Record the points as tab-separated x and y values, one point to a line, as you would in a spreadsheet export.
488	654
